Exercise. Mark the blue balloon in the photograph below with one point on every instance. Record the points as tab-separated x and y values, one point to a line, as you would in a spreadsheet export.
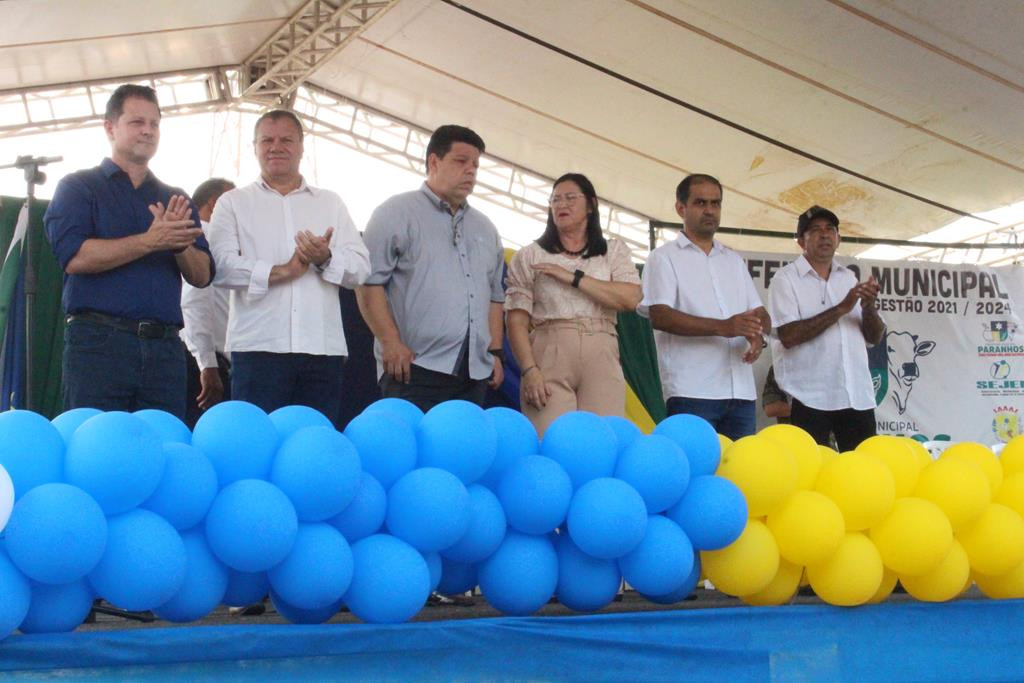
239	439
428	508
662	561
32	451
57	534
390	580
406	411
297	615
365	514
456	577
516	438
625	431
57	609
486	527
206	580
317	571
521	576
685	590
251	525
459	437
17	595
697	438
386	445
307	616
318	469
585	583
712	512
70	420
187	488
290	419
434	567
168	427
535	492
657	468
583	444
607	518
117	459
245	588
144	564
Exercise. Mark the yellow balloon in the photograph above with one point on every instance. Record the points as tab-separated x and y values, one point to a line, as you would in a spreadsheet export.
914	538
920	452
724	442
897	456
958	486
802	446
1008	586
885	588
851	576
826	455
781	589
763	471
808	527
995	541
1011	458
982	457
861	486
746	566
943	583
1011	493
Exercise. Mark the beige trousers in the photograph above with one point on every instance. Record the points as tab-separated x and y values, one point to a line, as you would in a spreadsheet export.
580	363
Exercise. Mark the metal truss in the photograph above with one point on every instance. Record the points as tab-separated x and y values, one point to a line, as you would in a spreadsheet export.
314	34
334	117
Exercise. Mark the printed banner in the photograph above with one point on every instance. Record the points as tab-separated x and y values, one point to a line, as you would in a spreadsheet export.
951	364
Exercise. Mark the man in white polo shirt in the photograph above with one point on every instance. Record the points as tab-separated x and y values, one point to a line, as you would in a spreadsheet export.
823	318
284	248
709	323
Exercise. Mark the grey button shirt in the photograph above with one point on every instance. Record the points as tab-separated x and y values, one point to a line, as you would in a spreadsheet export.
441	272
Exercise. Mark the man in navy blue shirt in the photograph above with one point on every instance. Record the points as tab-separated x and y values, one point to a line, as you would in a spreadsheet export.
125	240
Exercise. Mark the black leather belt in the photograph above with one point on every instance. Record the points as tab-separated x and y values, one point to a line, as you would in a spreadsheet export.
143	329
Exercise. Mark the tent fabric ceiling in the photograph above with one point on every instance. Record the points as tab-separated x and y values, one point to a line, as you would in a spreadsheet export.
922	98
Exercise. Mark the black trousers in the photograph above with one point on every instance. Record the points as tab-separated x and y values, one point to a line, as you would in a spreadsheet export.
427	388
849	426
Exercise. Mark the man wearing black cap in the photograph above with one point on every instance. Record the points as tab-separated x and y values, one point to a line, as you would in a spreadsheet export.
824	319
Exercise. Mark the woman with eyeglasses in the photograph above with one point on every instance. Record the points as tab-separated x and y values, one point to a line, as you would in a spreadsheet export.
563	293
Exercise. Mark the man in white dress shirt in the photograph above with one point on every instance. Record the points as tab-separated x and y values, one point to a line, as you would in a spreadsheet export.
823	318
205	312
284	248
709	323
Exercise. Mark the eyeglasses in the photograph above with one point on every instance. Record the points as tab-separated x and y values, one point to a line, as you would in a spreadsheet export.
567	198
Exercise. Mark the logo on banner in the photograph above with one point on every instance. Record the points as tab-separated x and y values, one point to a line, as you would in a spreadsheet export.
999	370
998	331
896	358
1005	423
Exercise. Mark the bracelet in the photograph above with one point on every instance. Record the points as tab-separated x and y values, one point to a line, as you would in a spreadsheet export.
532	367
576	277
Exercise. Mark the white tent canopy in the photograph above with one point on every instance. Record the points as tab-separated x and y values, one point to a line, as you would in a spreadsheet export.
900	117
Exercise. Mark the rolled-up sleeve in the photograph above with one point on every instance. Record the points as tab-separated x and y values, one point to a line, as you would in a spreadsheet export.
519	293
384	240
234	270
350	259
784	306
68	219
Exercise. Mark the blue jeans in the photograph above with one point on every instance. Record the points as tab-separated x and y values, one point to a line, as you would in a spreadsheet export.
111	369
731	417
275	380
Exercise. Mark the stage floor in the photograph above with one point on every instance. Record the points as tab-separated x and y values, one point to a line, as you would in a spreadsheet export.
712	638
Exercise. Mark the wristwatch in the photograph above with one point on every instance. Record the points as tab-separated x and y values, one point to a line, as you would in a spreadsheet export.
576	277
764	341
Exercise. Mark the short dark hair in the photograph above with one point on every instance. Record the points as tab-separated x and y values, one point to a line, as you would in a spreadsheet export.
211	189
115	105
442	139
276	115
596	244
683	189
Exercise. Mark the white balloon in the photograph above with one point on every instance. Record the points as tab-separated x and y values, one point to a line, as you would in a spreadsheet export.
6	497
